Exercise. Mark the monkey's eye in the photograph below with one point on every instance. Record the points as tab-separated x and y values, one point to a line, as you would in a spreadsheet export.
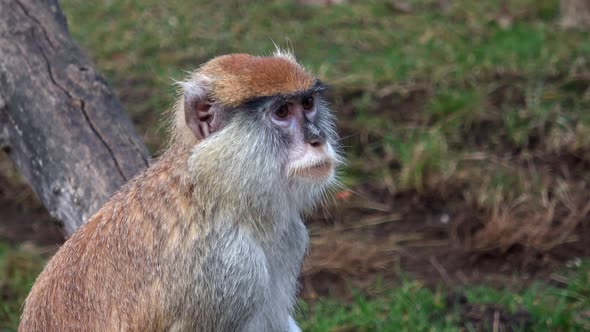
282	112
307	103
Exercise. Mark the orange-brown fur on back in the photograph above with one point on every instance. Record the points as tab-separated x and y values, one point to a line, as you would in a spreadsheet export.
119	255
240	77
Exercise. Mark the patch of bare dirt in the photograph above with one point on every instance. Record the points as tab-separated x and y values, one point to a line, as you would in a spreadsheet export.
414	236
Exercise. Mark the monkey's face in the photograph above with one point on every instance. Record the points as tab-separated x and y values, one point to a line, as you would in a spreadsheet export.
261	126
289	144
278	147
307	133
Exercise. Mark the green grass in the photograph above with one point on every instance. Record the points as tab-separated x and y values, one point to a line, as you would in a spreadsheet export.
18	269
520	81
361	46
410	307
413	307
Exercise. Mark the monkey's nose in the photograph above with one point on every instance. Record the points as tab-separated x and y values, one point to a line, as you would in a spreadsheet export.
316	142
313	135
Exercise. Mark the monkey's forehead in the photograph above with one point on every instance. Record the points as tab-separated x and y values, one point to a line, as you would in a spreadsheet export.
238	78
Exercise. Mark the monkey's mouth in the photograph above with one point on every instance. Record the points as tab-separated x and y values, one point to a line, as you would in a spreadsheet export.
318	171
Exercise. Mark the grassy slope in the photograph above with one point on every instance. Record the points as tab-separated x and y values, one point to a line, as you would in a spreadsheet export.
431	98
427	100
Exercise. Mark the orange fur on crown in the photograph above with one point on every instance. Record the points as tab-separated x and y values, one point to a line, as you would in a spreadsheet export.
240	77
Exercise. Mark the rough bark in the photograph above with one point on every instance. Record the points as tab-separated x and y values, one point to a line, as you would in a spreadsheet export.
59	122
575	13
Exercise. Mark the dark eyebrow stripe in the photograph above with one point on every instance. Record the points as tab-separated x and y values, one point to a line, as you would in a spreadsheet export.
257	102
318	86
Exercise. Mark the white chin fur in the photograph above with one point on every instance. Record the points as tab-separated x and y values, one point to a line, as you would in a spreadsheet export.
315	165
310	175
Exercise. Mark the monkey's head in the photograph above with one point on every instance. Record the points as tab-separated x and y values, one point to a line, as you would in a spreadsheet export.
258	125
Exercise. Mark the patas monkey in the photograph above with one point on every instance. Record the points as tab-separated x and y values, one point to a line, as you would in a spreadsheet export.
210	237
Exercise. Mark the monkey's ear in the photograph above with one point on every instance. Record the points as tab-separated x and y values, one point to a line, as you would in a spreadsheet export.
199	110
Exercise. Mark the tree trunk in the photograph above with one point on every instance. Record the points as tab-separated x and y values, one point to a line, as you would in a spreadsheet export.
59	122
575	13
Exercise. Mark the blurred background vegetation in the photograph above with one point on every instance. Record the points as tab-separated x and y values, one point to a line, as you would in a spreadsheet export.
466	126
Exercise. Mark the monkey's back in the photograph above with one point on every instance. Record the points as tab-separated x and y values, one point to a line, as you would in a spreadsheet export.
93	283
108	275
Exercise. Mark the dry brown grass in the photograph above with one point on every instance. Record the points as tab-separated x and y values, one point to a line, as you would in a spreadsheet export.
537	204
334	253
529	223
